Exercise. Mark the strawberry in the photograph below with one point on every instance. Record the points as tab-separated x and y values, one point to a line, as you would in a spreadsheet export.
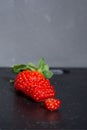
39	89
42	90
25	79
52	104
30	76
33	81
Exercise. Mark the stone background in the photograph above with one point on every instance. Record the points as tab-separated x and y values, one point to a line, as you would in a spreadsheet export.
53	29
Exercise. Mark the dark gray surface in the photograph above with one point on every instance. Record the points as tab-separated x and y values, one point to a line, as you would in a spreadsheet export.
53	29
19	112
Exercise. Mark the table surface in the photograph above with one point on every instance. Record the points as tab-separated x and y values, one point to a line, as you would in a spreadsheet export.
19	112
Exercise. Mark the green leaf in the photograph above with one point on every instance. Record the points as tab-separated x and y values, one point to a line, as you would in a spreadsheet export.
48	74
46	67
41	64
41	67
18	68
31	66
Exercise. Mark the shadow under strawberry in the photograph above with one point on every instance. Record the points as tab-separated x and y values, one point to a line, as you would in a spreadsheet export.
29	110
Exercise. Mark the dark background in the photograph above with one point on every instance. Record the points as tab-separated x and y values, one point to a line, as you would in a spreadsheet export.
53	29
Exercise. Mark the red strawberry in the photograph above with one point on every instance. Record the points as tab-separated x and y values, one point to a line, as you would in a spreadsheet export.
35	86
25	79
42	90
30	76
52	104
33	81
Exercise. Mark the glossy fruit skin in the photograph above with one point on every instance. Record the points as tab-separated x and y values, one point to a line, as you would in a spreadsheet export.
42	91
25	79
33	84
52	104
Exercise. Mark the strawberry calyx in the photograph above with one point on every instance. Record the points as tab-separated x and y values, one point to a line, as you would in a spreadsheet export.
41	67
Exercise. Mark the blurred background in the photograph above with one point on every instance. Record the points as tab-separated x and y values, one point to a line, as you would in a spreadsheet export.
53	29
